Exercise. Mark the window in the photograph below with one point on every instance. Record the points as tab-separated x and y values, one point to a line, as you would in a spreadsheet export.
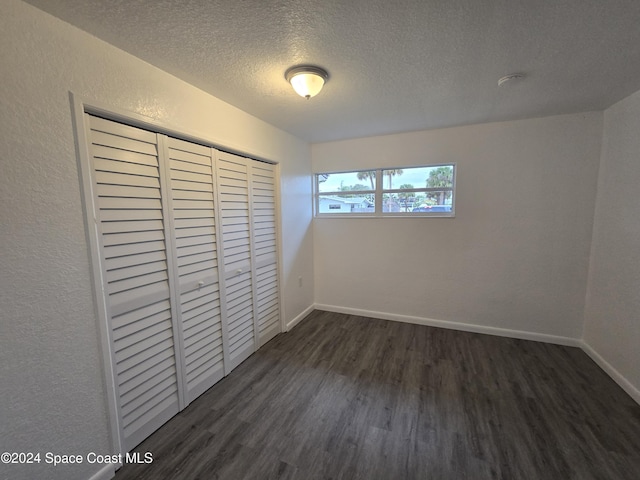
426	191
350	192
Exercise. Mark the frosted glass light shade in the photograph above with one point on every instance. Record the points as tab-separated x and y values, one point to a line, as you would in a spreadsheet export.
307	84
307	81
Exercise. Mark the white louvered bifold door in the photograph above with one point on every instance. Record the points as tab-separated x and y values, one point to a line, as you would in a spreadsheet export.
184	238
132	232
191	171
235	210
265	250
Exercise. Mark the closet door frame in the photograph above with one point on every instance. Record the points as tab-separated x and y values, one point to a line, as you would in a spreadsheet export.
79	107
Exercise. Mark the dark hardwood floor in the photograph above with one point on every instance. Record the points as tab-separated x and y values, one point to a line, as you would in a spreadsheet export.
346	397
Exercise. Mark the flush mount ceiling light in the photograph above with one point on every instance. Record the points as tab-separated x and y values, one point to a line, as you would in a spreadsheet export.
510	77
307	80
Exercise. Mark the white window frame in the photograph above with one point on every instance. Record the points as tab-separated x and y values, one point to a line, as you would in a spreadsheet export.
380	191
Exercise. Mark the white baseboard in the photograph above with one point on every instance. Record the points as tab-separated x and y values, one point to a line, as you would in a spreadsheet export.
466	327
625	384
300	317
105	473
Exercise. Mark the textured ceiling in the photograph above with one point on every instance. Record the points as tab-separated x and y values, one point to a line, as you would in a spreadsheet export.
394	65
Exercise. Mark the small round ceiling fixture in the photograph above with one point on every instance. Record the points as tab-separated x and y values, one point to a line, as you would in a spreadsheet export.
307	80
510	77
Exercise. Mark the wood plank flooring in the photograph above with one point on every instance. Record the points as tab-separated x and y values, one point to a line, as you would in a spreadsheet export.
346	397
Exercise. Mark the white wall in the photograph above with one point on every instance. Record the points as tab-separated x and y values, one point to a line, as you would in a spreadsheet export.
516	255
612	313
51	394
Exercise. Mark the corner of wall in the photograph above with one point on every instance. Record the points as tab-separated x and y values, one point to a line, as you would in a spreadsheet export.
620	379
593	229
609	333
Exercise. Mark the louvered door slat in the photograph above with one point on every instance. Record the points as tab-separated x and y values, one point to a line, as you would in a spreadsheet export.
127	192
191	173
196	259
141	225
119	178
108	159
194	320
128	332
130	215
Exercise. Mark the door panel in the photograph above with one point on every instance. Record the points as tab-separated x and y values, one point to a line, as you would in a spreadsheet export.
126	175
233	189
265	250
191	173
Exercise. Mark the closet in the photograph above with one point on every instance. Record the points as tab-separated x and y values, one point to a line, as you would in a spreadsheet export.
187	248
